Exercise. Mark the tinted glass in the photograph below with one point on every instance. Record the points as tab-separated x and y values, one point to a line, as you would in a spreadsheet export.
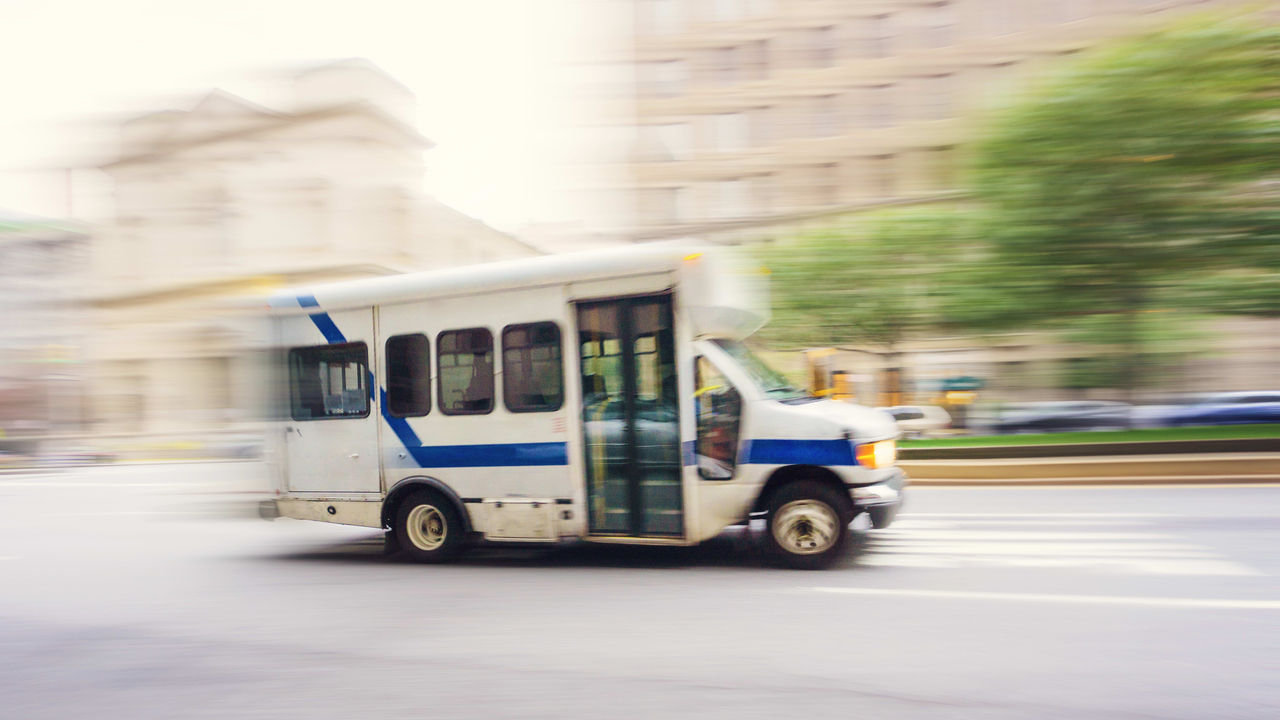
718	408
465	371
408	375
329	381
532	373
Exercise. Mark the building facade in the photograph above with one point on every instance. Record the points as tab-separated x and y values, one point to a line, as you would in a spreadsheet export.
763	113
229	200
43	263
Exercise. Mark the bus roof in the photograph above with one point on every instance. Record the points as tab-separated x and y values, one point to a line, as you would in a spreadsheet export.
600	264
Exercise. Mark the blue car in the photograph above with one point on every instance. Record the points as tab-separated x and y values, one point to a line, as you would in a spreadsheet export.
1234	408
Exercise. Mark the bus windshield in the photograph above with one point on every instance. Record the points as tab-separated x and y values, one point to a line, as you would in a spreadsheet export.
766	378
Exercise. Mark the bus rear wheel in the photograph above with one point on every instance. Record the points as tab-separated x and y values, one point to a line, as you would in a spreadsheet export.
428	528
808	525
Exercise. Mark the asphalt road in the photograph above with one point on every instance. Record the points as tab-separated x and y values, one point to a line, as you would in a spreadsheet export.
137	592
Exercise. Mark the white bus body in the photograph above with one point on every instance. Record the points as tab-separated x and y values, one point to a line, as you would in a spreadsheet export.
603	396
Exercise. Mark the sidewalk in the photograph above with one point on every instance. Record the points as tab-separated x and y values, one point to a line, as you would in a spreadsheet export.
1217	468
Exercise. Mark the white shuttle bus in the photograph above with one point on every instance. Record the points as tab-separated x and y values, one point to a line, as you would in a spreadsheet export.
603	396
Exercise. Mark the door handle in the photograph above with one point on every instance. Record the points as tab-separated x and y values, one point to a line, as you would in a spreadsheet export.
354	456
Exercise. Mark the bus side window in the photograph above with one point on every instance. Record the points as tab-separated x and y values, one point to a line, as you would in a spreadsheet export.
464	371
532	372
408	375
719	410
329	381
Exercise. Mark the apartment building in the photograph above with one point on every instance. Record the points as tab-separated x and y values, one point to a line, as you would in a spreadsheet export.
757	113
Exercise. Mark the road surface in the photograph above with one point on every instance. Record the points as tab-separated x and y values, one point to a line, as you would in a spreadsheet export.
149	592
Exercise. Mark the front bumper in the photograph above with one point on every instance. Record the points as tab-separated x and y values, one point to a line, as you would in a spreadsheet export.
882	500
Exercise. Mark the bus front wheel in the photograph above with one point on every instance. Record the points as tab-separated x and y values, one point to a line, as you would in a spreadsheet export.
428	528
808	525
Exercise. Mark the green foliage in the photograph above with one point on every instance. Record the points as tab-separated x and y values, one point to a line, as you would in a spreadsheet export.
1136	169
1142	178
875	282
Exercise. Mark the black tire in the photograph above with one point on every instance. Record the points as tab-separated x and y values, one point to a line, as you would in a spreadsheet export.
428	528
803	512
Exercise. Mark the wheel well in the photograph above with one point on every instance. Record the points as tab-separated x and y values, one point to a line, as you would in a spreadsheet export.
405	487
792	473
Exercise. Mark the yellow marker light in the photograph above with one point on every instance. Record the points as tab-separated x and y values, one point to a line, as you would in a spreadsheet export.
693	257
877	455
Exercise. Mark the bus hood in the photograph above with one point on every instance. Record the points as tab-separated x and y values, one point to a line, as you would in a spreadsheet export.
831	418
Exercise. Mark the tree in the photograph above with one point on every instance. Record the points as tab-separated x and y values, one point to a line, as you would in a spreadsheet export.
1141	172
877	280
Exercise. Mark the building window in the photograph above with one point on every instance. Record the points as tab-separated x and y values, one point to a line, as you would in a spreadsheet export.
730	199
761	131
667	78
762	194
826	116
465	371
871	37
822	43
824	184
934	97
730	132
757	60
879	109
677	140
408	375
881	174
664	206
724	10
329	382
939	24
660	17
725	65
532	373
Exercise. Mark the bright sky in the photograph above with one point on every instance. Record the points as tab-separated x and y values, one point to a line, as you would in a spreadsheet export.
488	74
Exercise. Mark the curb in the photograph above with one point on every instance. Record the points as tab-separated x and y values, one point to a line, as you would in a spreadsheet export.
1219	480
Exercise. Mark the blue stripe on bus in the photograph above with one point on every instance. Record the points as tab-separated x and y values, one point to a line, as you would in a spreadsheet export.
495	455
799	452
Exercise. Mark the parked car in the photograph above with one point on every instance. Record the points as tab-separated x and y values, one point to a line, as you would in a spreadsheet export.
919	421
1063	416
1232	408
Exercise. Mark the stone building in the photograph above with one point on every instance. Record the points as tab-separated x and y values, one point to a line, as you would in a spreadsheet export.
42	268
230	199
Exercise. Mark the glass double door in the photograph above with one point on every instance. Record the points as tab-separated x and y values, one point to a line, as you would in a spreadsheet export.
630	414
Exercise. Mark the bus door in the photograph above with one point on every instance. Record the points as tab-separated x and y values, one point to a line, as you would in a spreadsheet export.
630	413
331	431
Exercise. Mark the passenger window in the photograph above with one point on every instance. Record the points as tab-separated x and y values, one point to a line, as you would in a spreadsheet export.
329	381
408	375
719	410
465	371
532	373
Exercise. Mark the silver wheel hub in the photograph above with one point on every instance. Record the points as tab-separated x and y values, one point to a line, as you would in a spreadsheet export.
426	527
806	527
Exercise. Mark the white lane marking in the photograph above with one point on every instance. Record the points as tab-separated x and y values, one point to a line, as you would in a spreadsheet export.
1128	565
1040	515
1218	604
102	485
1047	549
959	544
110	513
1015	535
972	523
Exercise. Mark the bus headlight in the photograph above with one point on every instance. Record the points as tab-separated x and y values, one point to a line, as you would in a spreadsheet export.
877	455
